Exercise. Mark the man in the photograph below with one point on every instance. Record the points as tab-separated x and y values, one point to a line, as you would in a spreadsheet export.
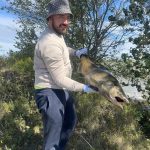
53	78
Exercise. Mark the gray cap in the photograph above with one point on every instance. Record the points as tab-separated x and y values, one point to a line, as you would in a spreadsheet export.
58	7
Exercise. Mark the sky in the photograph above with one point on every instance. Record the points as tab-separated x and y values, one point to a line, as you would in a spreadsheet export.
8	29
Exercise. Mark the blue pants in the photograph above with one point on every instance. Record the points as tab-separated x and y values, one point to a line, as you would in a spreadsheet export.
58	115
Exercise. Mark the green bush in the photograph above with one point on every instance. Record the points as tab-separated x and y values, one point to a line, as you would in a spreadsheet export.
101	125
21	127
24	66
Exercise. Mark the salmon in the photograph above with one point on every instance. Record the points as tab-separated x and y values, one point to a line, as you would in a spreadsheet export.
106	84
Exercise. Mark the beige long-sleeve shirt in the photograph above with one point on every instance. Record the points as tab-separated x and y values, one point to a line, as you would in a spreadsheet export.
52	63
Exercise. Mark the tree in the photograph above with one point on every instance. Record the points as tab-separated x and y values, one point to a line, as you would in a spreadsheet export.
138	60
98	25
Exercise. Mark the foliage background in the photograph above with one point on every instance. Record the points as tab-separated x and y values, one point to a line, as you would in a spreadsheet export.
103	26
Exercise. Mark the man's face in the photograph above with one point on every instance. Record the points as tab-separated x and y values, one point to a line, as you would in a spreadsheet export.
60	23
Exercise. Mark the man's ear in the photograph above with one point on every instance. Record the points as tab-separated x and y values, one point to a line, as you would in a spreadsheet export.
49	20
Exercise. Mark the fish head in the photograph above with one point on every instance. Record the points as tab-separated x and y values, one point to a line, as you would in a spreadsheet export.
117	96
112	91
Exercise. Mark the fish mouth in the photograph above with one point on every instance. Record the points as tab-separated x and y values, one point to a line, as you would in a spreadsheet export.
118	99
121	100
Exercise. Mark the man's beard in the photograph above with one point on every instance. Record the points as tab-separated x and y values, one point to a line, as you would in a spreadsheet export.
59	32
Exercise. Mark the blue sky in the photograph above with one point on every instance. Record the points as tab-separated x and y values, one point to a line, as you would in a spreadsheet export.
8	29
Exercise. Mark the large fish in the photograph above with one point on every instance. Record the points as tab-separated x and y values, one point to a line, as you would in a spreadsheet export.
106	84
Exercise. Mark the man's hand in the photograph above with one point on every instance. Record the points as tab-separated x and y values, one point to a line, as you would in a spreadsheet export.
80	52
90	89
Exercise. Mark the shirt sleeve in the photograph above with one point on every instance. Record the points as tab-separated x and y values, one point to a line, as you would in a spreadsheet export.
53	59
71	51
